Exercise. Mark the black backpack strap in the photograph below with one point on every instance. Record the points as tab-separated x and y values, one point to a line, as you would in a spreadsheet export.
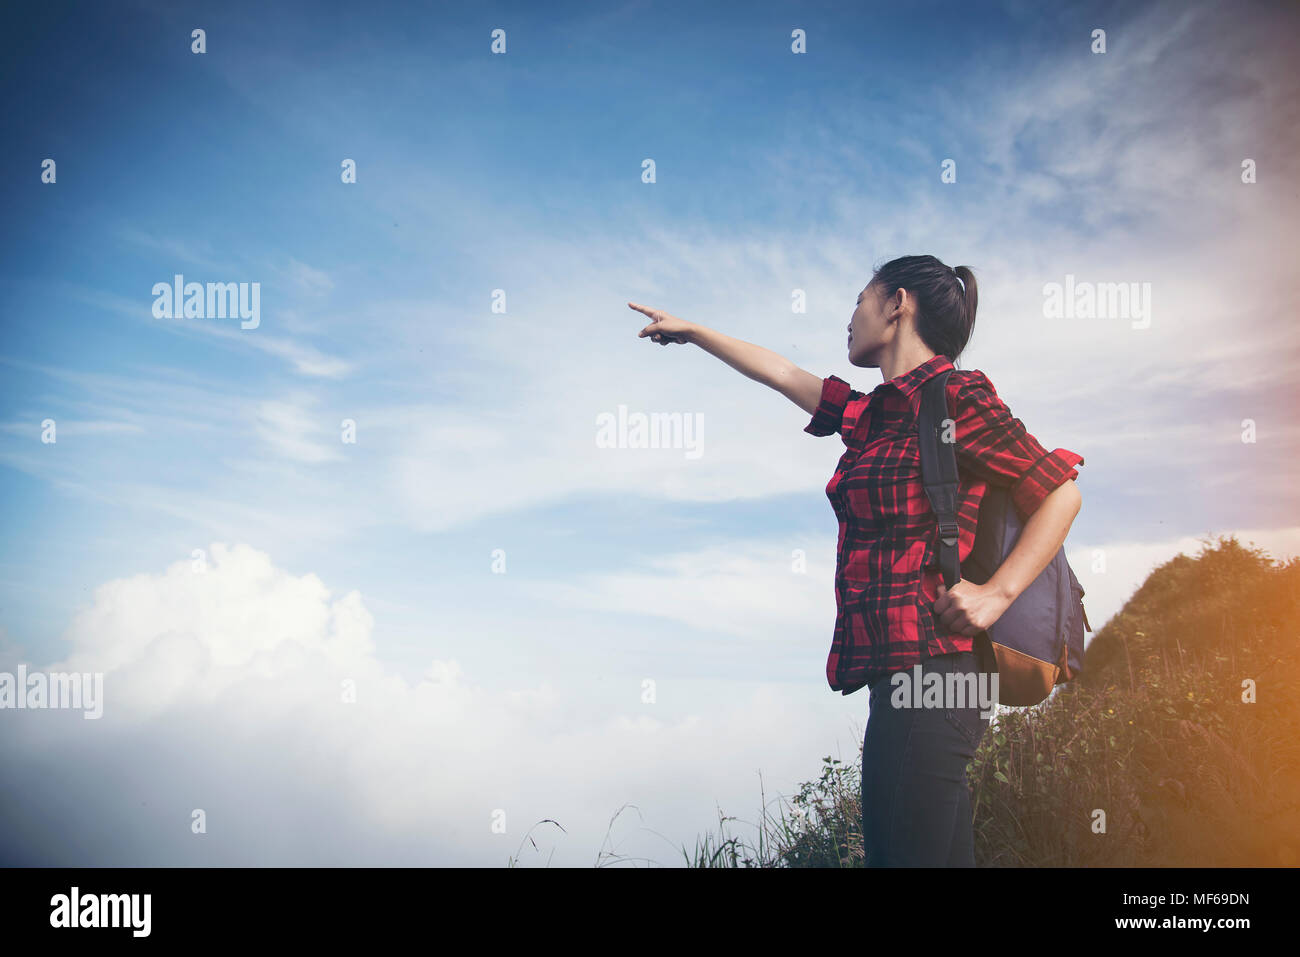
939	472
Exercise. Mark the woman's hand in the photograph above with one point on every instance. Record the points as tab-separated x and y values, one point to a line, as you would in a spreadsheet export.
762	365
664	328
968	608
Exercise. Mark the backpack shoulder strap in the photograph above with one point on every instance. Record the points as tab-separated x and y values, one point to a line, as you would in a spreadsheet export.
939	472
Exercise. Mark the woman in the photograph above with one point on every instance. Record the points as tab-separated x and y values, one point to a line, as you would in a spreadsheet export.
912	321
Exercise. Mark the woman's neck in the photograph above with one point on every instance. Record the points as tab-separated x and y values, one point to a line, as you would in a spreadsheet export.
905	360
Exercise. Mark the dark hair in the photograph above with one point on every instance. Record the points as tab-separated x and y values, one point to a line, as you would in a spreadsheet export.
945	314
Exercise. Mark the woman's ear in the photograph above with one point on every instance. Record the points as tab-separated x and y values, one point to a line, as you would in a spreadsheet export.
893	306
890	304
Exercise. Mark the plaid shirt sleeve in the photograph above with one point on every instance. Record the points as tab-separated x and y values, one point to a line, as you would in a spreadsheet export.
828	417
995	445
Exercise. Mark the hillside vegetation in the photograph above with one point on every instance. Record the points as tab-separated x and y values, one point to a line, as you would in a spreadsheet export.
1156	735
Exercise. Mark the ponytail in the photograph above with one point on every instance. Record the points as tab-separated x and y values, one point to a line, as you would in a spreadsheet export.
970	300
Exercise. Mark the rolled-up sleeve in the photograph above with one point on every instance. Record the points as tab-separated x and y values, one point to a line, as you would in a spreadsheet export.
828	417
997	447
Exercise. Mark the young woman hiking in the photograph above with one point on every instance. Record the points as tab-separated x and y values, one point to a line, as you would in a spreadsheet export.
912	321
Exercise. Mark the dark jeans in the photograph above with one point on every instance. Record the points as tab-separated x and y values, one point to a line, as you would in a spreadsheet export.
916	808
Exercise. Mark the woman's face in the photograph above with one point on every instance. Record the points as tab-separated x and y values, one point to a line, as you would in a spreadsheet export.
869	329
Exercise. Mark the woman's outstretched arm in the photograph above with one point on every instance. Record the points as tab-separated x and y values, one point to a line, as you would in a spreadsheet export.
762	365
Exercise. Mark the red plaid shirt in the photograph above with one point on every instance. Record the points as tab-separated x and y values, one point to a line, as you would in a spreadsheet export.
887	571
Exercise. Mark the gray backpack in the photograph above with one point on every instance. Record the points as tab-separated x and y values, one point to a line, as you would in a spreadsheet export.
1038	642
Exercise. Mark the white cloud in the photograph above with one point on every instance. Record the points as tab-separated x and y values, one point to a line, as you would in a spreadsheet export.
307	279
222	691
306	360
68	427
747	590
293	429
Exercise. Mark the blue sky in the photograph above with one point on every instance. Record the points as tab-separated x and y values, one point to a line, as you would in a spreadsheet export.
475	430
